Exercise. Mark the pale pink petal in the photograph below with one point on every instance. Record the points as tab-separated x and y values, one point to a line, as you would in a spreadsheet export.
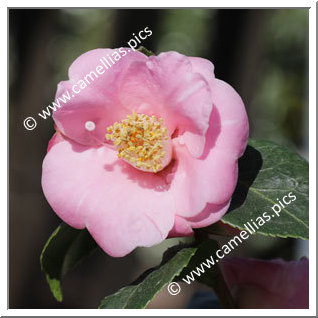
138	92
195	143
233	123
97	101
212	213
56	138
121	206
201	181
181	228
198	182
166	86
202	66
212	178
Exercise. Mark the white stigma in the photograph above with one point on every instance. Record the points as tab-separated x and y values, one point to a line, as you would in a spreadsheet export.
90	126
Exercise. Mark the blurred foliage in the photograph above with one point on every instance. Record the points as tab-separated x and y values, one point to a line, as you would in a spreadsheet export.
186	31
279	109
79	31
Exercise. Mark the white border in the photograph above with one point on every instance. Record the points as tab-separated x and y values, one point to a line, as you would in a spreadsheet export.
312	160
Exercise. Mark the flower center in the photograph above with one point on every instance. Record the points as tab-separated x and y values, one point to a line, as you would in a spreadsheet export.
142	141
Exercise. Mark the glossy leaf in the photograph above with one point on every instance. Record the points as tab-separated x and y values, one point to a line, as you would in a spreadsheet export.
205	263
63	250
268	173
142	292
181	261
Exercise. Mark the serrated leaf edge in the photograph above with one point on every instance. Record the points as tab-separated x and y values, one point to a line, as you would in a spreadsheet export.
266	234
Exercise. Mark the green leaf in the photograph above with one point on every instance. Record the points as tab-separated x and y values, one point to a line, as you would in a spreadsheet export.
210	275
139	295
63	250
143	50
267	173
178	262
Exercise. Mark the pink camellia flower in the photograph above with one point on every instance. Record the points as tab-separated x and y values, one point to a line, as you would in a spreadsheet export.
268	284
148	150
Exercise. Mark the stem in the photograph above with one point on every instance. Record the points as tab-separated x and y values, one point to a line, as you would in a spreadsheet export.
223	293
216	280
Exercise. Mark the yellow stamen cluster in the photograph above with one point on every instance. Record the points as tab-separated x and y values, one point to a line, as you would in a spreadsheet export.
140	140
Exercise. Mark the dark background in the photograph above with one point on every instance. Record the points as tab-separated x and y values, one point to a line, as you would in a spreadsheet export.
263	54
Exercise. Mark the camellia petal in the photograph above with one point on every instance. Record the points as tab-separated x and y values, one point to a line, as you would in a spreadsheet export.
91	96
147	150
166	87
212	213
268	284
233	121
212	178
202	66
121	207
